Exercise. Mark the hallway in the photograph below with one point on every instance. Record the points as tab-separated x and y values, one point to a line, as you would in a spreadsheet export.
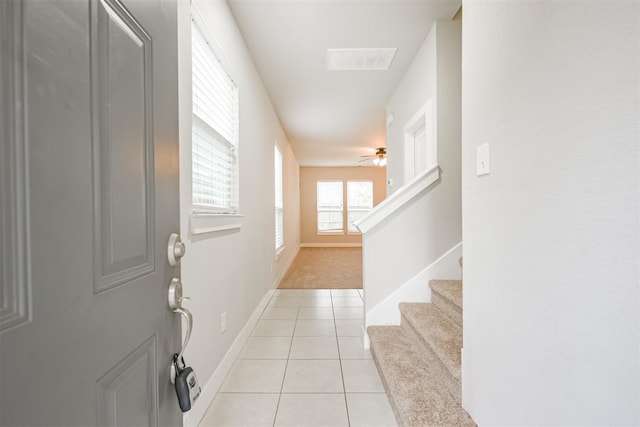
325	268
304	366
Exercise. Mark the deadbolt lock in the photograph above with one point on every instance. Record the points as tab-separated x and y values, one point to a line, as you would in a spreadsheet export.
175	249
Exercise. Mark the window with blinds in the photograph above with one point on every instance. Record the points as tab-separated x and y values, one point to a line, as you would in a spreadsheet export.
214	127
279	202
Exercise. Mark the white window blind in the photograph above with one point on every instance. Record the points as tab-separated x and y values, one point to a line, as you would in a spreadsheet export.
329	205
214	128
279	202
359	201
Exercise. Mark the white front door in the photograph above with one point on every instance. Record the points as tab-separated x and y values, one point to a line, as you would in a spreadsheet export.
89	197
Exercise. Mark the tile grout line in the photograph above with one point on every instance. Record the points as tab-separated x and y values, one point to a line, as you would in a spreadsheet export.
286	366
344	389
289	354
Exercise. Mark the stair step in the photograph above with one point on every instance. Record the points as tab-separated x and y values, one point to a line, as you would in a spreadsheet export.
438	337
447	296
415	388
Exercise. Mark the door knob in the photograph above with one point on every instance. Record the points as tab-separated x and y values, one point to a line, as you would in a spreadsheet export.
175	249
175	303
175	294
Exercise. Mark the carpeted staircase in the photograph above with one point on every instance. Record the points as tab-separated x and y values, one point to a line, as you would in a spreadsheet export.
419	361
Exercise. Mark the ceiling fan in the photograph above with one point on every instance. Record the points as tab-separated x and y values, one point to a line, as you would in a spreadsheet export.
379	158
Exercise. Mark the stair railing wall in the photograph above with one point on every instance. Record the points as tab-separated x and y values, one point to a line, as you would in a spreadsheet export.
397	251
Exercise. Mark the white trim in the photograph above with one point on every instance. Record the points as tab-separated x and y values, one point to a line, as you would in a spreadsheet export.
365	336
210	388
398	199
203	213
408	132
330	245
278	172
422	118
329	233
416	289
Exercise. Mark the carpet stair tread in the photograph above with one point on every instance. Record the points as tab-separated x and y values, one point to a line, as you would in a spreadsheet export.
451	290
435	332
447	296
415	389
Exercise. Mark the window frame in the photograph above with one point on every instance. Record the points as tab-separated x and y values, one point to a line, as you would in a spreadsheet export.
420	154
279	198
332	232
344	207
348	209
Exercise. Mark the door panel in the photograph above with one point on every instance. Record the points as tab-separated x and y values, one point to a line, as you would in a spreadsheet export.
122	105
15	286
126	394
89	199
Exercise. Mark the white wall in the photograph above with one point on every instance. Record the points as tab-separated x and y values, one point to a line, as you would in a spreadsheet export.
416	87
431	225
233	271
397	252
434	74
551	286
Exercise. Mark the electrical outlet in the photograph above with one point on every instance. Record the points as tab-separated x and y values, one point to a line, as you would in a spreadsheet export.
223	322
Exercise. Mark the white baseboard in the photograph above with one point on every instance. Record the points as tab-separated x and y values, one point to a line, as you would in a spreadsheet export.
211	386
365	335
416	289
330	245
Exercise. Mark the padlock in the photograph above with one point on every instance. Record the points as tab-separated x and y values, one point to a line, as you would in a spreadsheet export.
186	382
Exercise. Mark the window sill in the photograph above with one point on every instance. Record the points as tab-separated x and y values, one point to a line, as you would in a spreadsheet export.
279	252
330	233
205	223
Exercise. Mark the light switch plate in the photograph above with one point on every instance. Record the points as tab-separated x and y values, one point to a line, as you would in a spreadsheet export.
482	159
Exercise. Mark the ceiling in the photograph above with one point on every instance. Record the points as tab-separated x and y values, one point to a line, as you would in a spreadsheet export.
333	117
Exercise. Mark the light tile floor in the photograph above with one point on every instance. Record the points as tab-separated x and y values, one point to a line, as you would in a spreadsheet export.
304	365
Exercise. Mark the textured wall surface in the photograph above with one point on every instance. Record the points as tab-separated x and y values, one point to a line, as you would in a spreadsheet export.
551	298
232	271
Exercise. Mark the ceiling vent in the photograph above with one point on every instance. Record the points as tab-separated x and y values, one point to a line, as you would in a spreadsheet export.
378	59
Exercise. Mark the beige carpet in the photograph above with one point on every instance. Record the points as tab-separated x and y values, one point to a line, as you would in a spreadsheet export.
325	268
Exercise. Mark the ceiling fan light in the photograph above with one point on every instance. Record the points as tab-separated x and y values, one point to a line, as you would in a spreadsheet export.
382	162
376	161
